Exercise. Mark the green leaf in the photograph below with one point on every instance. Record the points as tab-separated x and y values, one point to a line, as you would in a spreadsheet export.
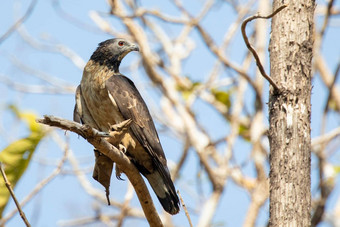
332	104
187	91
17	155
244	132
222	96
337	169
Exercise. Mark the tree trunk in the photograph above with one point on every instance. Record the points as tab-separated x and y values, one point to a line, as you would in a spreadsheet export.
289	114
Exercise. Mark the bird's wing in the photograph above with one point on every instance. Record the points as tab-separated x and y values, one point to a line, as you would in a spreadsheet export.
130	103
132	106
77	112
81	113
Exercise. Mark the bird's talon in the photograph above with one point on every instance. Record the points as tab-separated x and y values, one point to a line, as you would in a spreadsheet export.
122	148
118	173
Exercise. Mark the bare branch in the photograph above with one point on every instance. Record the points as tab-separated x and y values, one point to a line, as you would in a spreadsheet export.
326	20
94	137
327	78
57	48
19	22
258	197
38	89
8	185
326	186
257	59
125	208
324	139
185	209
209	208
216	50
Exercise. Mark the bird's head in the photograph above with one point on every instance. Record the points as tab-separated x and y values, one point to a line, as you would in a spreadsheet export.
112	51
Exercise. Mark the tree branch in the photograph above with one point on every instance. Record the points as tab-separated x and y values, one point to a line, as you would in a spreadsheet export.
8	185
185	209
257	59
19	22
94	137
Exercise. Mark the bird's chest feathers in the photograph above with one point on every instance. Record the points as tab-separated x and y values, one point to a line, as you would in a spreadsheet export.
100	103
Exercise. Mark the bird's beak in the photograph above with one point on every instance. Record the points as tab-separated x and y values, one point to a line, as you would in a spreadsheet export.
134	47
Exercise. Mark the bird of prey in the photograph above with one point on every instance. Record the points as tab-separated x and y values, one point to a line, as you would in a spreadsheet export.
105	98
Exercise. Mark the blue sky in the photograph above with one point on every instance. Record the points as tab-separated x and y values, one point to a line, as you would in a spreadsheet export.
63	198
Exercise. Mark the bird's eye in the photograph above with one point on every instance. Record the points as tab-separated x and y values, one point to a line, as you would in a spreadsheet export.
121	43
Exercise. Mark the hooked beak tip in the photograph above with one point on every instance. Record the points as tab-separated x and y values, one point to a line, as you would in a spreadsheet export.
136	48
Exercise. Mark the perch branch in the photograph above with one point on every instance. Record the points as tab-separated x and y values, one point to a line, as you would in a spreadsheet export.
8	185
95	138
257	59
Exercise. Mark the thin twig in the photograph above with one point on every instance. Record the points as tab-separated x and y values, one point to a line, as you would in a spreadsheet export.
185	209
19	22
330	88
324	139
54	48
326	20
257	59
8	185
38	187
327	78
326	187
70	18
218	53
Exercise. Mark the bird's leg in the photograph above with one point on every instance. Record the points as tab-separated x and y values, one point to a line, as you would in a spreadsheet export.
117	133
118	173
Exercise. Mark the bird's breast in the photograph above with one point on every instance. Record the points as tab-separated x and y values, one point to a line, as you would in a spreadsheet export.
105	112
102	107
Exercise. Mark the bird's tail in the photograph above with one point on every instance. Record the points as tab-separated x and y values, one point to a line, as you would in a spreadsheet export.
165	191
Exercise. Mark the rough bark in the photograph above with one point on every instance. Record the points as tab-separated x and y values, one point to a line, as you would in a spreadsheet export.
289	114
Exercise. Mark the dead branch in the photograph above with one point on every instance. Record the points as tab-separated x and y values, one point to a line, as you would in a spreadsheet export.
8	185
94	137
